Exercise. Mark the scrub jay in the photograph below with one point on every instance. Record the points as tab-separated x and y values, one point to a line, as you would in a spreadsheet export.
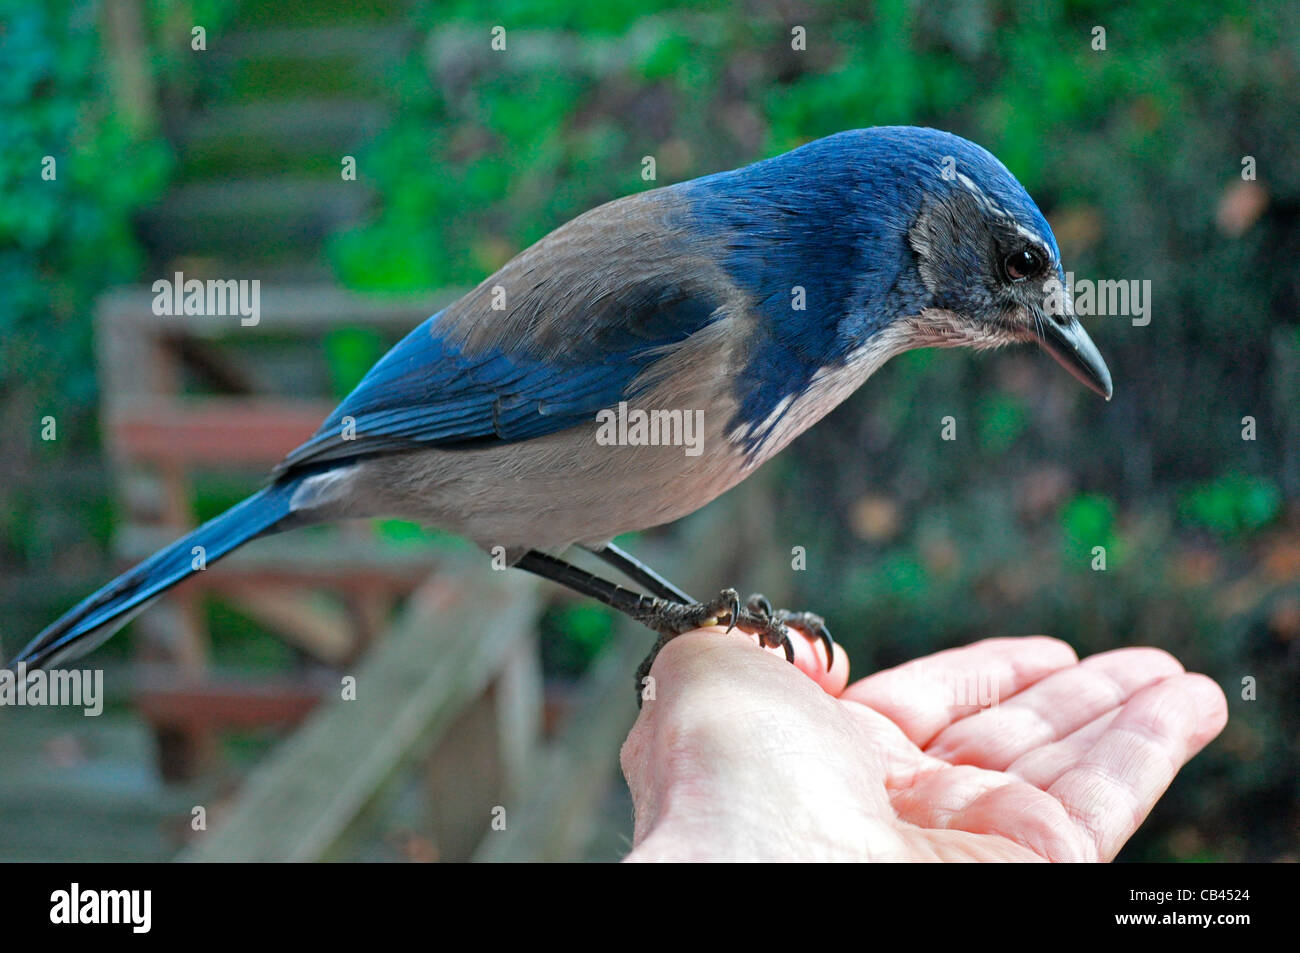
647	356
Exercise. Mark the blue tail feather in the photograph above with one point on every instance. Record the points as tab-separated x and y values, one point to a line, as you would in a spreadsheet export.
94	619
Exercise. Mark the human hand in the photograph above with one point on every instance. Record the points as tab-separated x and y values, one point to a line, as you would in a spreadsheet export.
742	756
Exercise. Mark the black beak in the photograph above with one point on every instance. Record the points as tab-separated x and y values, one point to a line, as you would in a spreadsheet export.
1073	349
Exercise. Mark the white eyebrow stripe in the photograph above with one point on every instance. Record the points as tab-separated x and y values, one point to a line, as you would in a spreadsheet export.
982	197
1002	213
1037	240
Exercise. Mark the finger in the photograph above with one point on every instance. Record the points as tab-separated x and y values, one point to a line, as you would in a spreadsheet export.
1113	787
927	695
1042	766
1052	708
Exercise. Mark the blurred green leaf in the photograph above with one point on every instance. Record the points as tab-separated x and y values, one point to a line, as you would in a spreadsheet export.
350	353
1002	418
1231	505
1088	521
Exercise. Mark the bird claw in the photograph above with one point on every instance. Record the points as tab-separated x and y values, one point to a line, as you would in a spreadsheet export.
778	622
755	617
814	626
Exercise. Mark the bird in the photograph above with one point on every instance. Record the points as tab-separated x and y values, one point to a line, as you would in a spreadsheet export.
647	356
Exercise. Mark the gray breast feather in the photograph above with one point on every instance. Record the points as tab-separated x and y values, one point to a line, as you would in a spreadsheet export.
568	487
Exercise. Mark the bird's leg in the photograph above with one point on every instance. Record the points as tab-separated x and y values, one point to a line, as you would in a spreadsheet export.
665	616
638	571
814	626
670	618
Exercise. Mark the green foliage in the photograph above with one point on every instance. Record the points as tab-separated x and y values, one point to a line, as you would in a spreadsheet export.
62	239
403	532
1087	521
573	635
1231	505
1002	418
349	354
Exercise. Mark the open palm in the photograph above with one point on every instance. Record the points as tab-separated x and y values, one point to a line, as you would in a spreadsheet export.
1008	749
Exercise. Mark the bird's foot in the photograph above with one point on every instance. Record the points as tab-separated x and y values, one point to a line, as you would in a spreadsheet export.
756	617
810	624
673	618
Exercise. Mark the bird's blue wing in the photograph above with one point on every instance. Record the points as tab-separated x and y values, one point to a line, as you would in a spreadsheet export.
428	392
591	307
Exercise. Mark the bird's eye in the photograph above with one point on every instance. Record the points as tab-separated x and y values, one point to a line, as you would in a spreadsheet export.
1021	264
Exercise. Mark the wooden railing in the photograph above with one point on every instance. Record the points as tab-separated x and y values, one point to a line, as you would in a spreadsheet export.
453	685
442	650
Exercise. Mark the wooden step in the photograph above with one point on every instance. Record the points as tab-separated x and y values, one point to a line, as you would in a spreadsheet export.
213	432
240	214
78	788
306	124
304	309
374	43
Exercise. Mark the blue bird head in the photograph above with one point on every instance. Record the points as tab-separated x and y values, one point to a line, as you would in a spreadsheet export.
905	234
991	265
